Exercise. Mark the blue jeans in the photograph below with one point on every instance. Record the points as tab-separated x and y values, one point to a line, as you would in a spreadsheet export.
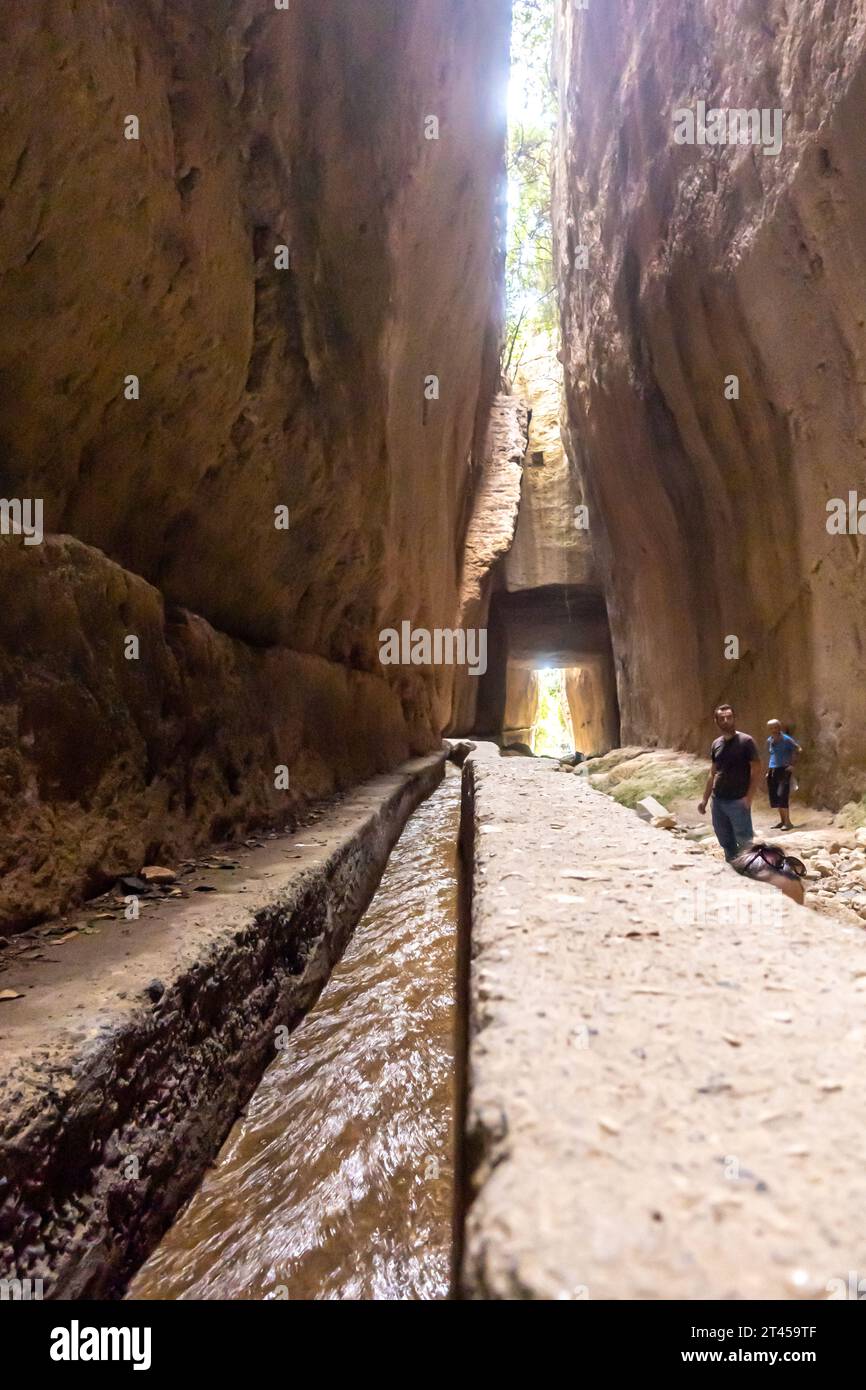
732	822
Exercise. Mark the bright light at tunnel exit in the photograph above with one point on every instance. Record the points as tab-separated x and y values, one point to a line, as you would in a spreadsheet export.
552	730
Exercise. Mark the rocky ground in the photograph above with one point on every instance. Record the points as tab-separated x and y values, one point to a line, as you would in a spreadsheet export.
664	1094
831	845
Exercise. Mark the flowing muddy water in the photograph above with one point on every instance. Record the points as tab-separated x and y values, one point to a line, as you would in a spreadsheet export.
337	1183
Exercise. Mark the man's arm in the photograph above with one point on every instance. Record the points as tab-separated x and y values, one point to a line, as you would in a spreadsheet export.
708	791
754	779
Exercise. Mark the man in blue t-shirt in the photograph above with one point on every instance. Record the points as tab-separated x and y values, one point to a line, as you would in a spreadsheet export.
783	752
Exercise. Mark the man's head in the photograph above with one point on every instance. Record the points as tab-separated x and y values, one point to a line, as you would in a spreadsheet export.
774	727
724	716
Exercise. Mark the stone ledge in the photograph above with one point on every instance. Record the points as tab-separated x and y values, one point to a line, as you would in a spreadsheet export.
659	1105
94	1072
106	764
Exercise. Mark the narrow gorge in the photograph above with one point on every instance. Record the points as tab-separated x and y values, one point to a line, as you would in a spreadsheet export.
426	427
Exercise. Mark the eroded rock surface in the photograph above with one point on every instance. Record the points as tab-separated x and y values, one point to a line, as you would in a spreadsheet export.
549	545
490	534
266	378
705	262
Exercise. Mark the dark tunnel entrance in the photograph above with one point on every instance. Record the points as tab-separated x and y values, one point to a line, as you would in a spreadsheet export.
560	627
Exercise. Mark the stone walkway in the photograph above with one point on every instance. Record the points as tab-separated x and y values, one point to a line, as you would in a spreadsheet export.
666	1066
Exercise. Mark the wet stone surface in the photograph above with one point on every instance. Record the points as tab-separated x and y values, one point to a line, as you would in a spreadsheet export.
337	1182
126	1055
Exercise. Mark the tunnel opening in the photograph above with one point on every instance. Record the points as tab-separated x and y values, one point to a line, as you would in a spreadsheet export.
541	641
552	733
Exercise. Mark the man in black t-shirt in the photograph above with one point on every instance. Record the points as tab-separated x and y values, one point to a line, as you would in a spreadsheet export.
732	781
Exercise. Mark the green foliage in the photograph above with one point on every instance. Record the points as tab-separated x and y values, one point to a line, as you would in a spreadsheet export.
529	279
552	732
667	786
853	815
628	775
531	48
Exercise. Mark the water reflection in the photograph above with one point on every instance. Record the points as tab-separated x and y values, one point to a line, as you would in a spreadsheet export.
337	1183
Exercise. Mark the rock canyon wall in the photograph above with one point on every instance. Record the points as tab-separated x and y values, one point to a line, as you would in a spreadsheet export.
234	254
489	538
682	266
549	546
